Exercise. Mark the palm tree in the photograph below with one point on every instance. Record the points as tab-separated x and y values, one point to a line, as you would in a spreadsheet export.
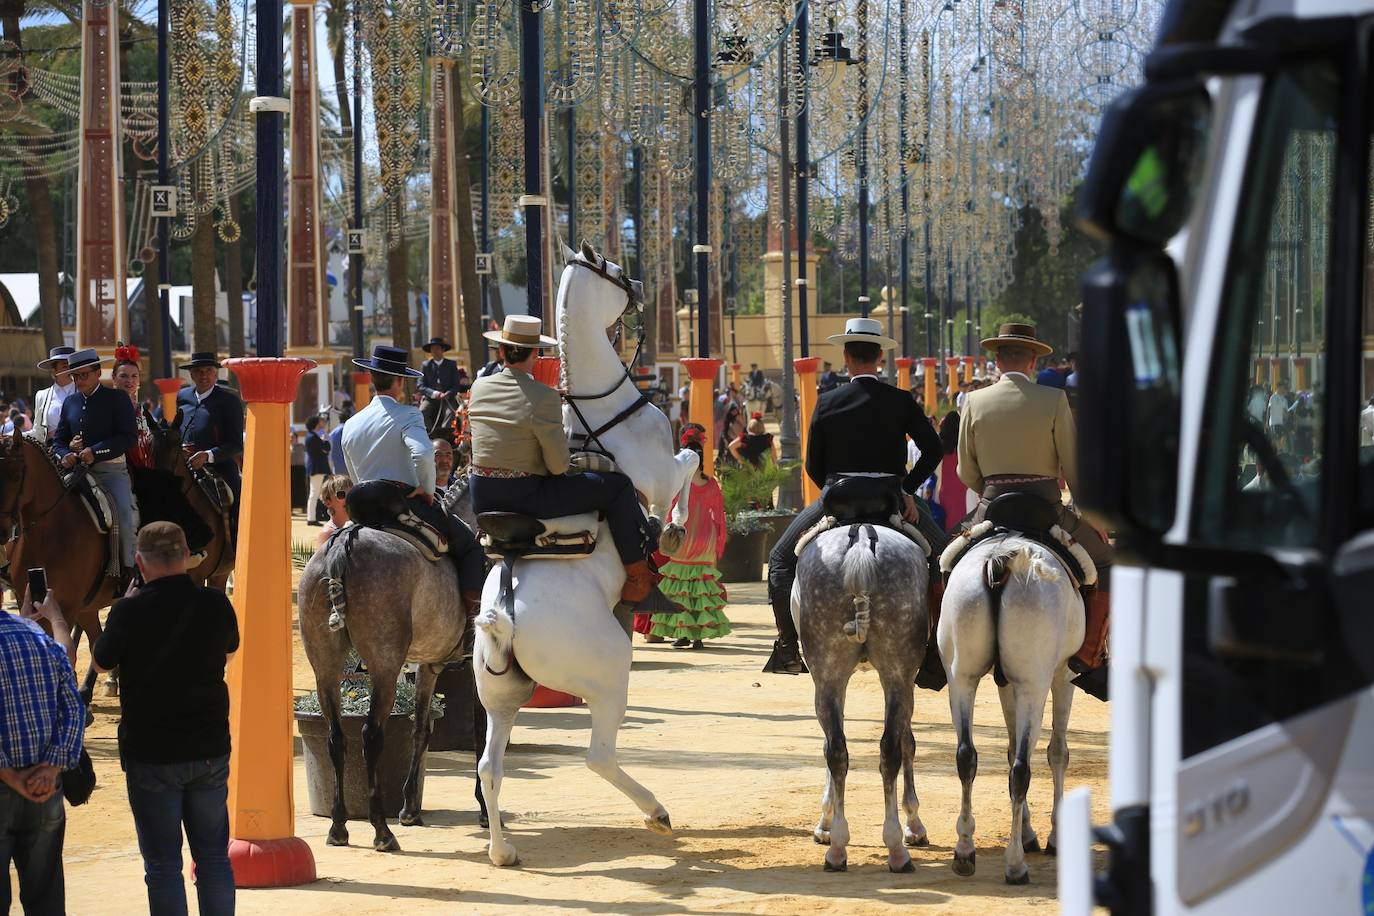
398	276
467	243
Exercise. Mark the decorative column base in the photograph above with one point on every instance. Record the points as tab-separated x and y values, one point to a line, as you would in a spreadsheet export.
702	372
169	388
952	367
968	370
734	374
806	367
929	372
1275	371
362	389
904	372
264	851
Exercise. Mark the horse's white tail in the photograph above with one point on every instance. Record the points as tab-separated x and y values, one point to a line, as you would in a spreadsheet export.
1019	560
860	572
497	627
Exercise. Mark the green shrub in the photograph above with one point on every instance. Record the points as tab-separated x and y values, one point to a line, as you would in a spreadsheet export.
355	696
747	491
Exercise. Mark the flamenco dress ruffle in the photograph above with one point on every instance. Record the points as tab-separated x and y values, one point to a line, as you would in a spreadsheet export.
696	589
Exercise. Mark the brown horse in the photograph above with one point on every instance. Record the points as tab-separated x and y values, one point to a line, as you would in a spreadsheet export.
169	457
49	527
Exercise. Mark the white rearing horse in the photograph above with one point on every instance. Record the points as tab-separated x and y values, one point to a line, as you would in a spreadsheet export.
563	634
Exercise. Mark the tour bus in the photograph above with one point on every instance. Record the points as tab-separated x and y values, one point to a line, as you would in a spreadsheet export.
1225	434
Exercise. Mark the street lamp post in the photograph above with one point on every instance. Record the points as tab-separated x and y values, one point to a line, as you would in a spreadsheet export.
532	111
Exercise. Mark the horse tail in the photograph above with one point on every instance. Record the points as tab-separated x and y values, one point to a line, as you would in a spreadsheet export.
336	555
1002	564
859	570
496	624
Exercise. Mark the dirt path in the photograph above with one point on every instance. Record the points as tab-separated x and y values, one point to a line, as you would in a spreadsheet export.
734	755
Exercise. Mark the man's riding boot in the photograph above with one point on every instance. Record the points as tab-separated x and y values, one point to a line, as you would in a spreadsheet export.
639	581
786	659
931	675
472	606
1090	661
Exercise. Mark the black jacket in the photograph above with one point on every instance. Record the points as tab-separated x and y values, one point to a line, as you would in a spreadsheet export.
438	378
862	427
104	421
214	425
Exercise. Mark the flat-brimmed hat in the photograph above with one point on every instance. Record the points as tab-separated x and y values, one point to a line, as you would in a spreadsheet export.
438	342
201	361
85	359
56	354
522	331
389	361
1018	335
863	330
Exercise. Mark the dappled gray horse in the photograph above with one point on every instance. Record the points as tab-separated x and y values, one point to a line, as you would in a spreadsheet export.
860	596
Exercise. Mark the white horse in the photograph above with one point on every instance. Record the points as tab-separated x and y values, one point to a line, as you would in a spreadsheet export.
765	398
563	634
1011	603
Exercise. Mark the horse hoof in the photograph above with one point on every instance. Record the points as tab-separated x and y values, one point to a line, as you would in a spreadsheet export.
822	837
503	856
411	820
661	824
386	844
111	689
483	821
337	837
1051	849
1031	845
916	839
843	866
964	868
1023	878
906	868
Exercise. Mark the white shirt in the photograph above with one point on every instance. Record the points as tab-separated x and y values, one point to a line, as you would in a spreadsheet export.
387	441
60	393
1278	409
202	395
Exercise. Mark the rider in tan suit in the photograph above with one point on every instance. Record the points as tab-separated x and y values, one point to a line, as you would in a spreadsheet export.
1020	436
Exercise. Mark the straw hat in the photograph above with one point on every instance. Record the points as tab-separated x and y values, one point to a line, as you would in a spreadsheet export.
522	331
863	330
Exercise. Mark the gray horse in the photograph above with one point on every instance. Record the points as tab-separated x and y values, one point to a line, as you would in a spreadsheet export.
860	596
396	607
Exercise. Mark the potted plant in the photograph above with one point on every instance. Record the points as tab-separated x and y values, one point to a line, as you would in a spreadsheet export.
355	699
747	492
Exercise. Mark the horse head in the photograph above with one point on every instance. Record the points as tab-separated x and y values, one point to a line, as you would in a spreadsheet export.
167	451
601	287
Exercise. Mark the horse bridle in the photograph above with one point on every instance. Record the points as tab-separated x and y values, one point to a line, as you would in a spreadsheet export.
13	510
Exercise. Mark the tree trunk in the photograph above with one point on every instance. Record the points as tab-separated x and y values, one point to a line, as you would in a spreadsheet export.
233	284
470	285
398	281
203	262
340	76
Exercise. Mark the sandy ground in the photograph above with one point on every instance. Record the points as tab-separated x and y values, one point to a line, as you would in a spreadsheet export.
733	754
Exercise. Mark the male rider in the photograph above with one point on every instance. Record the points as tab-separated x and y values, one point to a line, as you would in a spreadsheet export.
96	429
47	404
438	380
386	440
1019	436
859	428
211	423
520	455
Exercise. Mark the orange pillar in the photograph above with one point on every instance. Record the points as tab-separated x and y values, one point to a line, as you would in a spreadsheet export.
904	372
968	370
952	366
1275	370
930	368
362	389
548	369
734	373
806	368
702	372
169	388
1300	372
263	848
1259	371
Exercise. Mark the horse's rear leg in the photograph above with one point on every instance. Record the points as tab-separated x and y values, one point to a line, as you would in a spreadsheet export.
374	735
607	714
424	693
822	832
1029	841
830	713
962	690
1030	709
490	770
1061	694
896	748
327	690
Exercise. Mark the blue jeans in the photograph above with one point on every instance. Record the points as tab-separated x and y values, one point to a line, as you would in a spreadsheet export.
31	835
166	796
114	478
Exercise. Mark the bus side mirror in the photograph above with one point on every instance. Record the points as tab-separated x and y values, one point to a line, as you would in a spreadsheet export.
1129	394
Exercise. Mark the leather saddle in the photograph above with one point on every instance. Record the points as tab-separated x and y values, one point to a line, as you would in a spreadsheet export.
1031	517
93	497
863	499
379	504
510	534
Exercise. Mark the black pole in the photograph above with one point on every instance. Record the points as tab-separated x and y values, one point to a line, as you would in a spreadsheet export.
949	295
531	109
164	247
637	220
702	126
789	495
861	155
904	78
803	174
355	259
269	184
572	176
486	213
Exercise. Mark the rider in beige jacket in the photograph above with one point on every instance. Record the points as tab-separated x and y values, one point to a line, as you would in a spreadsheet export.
1020	436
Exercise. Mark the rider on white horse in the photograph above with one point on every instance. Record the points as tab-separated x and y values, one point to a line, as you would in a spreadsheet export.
1017	436
387	441
859	428
520	455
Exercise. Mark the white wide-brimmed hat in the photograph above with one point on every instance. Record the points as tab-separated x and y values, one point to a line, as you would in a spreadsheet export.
522	331
863	330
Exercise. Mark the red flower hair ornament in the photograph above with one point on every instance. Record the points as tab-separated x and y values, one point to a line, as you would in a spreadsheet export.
692	436
126	353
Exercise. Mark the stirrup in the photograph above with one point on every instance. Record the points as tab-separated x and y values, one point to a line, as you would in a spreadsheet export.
1094	683
785	659
931	675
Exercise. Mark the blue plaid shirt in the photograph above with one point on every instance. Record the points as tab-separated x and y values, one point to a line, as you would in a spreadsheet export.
41	718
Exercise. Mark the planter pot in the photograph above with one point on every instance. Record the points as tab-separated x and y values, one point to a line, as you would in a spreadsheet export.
453	731
777	526
744	557
392	769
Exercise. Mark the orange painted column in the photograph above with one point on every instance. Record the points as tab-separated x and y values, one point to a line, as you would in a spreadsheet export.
904	372
968	370
263	847
1259	371
952	366
930	366
1275	370
547	369
362	389
806	387
702	372
1301	367
169	388
734	373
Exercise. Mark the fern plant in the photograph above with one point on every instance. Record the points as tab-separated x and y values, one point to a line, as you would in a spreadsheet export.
746	490
301	552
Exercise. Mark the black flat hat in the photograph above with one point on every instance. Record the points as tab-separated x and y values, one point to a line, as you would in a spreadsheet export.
388	360
202	360
438	342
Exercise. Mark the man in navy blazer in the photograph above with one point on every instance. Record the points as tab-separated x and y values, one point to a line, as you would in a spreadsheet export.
96	428
211	421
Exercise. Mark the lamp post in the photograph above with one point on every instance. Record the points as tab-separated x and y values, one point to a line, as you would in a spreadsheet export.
361	380
532	111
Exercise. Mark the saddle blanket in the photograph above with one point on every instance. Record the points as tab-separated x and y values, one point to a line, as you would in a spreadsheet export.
568	537
984	529
895	522
97	504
